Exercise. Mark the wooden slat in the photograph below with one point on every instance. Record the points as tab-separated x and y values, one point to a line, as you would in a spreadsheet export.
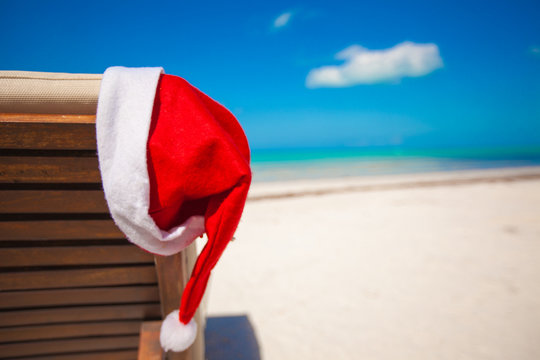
47	118
61	331
79	314
73	255
149	347
52	201
68	346
86	296
47	136
43	169
59	230
77	278
129	354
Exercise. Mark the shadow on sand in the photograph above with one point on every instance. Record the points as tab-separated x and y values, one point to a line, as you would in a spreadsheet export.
231	338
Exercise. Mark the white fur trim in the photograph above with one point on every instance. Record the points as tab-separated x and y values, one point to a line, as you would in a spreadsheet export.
124	113
175	335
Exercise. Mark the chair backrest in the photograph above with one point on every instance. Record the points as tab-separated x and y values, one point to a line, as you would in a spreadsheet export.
71	285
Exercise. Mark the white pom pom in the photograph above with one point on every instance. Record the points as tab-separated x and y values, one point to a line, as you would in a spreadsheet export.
175	335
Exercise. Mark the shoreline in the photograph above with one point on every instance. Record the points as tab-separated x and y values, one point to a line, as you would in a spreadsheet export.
272	190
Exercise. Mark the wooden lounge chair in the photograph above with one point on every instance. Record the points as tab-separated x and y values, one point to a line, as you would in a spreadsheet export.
71	286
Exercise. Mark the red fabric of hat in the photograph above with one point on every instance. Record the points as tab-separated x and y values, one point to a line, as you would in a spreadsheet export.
198	164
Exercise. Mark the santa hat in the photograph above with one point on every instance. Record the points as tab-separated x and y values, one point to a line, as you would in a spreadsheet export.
174	165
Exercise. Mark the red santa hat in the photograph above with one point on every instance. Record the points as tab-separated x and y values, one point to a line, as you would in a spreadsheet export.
174	165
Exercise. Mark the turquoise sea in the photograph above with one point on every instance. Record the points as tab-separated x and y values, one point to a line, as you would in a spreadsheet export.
292	164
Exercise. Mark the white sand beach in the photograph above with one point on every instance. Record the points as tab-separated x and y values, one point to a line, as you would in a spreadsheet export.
423	266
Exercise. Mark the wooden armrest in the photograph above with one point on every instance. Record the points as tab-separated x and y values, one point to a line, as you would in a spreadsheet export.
149	347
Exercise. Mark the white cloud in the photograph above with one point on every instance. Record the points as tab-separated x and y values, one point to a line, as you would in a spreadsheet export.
282	20
363	66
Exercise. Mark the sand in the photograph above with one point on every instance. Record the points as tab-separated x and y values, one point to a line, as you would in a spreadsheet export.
425	266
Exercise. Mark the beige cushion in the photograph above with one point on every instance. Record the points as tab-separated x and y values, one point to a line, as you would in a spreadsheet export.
48	93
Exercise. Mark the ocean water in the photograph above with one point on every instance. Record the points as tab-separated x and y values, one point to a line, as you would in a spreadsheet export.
283	165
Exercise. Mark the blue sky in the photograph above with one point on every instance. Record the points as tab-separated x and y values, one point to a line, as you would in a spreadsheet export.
469	75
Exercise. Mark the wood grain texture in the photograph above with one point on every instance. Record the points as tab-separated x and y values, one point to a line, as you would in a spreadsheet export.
79	314
47	118
73	255
56	279
53	202
47	136
44	169
68	346
124	354
149	346
85	296
59	230
72	330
